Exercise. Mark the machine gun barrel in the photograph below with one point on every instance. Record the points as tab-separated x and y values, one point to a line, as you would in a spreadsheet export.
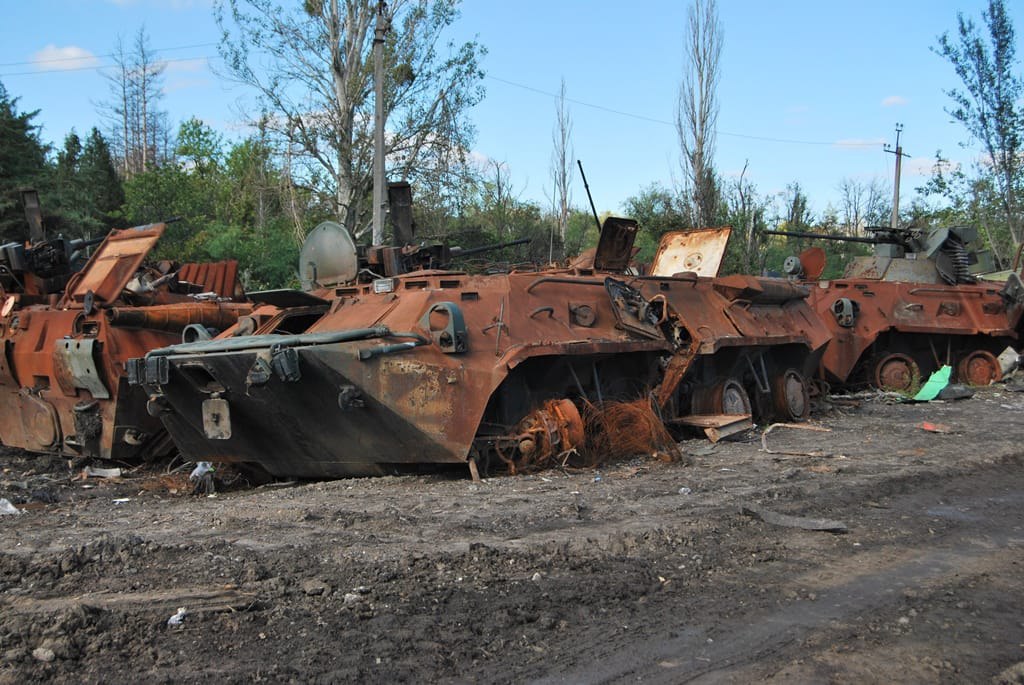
824	236
460	252
80	243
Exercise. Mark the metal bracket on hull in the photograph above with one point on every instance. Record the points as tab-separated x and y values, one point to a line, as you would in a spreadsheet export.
75	367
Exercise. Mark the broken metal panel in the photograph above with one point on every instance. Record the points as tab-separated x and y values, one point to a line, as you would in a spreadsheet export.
615	245
114	263
698	251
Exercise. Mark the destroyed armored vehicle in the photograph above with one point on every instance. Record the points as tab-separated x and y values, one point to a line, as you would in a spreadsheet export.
913	306
66	335
371	372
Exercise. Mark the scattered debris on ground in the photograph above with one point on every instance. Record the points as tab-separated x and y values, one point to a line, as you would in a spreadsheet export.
639	570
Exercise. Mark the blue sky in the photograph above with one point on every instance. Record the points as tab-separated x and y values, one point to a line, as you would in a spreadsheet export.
809	92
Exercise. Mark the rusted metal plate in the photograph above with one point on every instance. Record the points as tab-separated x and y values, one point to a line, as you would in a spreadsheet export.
698	251
217	277
114	263
615	246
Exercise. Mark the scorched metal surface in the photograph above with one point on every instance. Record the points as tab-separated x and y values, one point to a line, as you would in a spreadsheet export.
441	366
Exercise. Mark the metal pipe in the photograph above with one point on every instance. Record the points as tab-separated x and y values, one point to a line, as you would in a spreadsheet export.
563	279
173	317
586	186
260	342
371	352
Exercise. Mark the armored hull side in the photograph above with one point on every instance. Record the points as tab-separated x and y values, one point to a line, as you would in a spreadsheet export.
890	333
445	367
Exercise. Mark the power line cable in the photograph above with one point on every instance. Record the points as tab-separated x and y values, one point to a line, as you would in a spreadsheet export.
98	67
641	117
110	54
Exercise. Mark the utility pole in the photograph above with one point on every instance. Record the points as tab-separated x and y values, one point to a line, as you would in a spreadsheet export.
383	25
894	223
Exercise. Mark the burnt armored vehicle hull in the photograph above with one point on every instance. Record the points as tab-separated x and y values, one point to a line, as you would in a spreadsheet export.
442	367
892	335
910	308
62	383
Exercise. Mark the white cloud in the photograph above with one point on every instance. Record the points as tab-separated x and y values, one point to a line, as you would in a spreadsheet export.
172	66
895	101
53	58
186	83
170	4
859	143
922	166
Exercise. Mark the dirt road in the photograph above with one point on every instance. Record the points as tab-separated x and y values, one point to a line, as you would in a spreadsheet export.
641	571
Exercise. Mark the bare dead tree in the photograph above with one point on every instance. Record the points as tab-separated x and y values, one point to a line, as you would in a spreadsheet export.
139	128
862	204
561	162
697	109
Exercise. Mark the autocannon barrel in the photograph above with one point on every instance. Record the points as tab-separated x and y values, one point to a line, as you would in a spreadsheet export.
460	252
825	236
174	317
80	243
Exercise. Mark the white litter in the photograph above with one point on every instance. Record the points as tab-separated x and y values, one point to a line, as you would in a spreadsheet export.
178	617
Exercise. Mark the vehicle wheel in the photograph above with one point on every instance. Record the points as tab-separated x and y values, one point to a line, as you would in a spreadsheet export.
896	372
980	367
791	396
727	396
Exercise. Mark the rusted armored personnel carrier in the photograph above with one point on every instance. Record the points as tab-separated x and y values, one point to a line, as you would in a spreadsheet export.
66	335
369	372
912	306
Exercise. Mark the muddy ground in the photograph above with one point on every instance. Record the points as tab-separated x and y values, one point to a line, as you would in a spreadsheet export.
643	570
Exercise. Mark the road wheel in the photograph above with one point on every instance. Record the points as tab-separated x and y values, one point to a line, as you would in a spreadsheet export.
726	396
791	396
980	367
896	372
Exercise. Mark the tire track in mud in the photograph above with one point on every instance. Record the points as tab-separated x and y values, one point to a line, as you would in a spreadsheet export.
985	534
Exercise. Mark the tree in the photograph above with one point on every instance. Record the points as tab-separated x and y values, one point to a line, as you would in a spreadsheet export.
22	163
83	192
968	199
989	106
745	211
199	146
139	128
798	215
99	174
862	204
697	110
658	211
311	70
561	163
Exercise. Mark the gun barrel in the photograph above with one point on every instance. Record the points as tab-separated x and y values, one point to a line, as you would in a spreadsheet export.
459	252
80	243
824	236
